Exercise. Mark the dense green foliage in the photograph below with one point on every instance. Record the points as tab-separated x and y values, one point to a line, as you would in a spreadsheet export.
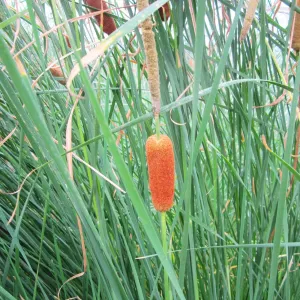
234	230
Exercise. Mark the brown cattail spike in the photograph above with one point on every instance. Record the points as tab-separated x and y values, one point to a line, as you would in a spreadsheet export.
67	40
165	12
56	71
161	169
296	35
151	58
250	13
109	24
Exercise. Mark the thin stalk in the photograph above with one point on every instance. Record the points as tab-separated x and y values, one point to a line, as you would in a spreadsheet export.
165	248
157	125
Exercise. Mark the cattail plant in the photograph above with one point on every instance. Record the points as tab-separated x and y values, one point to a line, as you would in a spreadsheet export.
107	22
159	148
161	170
165	12
296	35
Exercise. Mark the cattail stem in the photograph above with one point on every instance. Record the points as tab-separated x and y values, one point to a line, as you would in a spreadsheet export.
165	247
157	125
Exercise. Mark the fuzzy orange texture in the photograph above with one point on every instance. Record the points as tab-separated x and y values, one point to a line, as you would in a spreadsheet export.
165	9
296	36
109	24
161	170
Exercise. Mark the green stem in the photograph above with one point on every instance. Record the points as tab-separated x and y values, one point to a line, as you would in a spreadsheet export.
165	247
157	125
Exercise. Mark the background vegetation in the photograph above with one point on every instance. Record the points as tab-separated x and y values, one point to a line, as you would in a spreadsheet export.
234	228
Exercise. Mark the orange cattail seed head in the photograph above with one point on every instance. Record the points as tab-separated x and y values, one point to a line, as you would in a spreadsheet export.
161	170
165	11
